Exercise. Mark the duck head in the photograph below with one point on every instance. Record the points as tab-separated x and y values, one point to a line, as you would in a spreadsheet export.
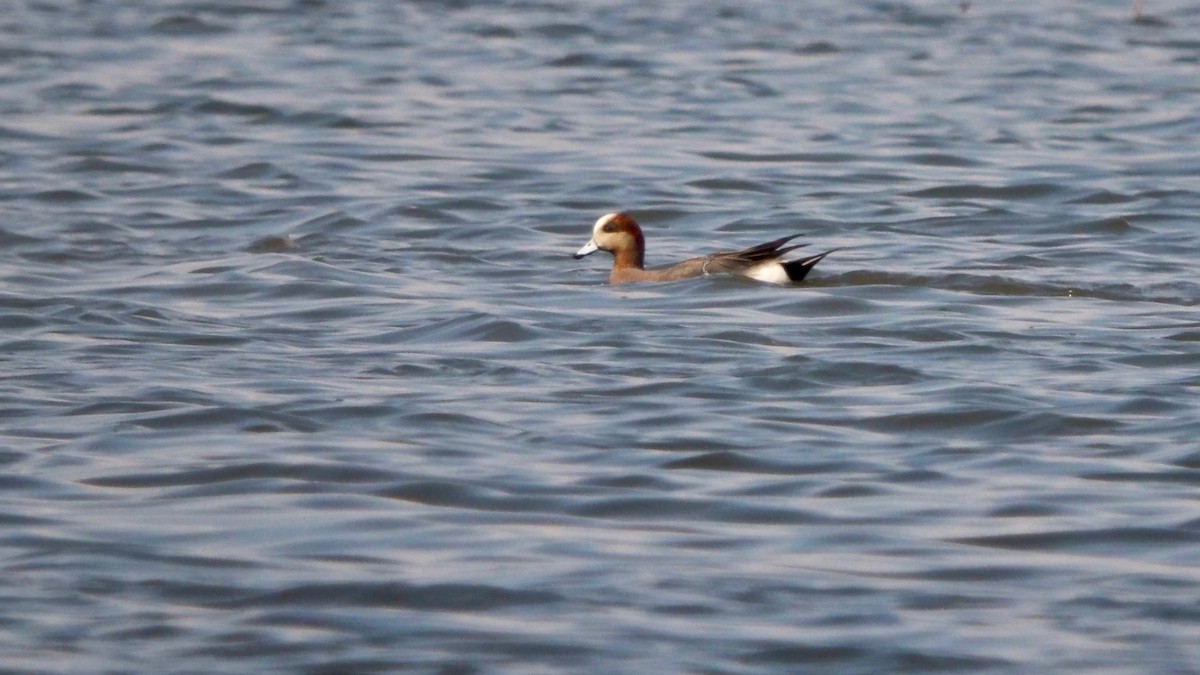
620	235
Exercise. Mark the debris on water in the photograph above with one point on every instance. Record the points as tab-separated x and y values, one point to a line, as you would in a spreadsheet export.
274	244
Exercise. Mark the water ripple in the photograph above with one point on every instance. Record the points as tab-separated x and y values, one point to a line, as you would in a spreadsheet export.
300	375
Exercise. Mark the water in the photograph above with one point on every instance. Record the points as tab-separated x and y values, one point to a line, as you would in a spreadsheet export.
299	375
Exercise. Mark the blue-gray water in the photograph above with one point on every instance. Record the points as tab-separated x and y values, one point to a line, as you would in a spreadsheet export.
297	374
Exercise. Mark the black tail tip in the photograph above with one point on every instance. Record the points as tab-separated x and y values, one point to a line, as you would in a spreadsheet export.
798	269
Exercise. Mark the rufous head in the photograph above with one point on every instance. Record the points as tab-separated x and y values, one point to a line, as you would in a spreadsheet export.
620	235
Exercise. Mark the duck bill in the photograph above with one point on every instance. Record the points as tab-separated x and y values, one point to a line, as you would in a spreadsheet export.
588	249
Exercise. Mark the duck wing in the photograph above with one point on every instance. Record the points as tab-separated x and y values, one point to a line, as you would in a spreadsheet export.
761	252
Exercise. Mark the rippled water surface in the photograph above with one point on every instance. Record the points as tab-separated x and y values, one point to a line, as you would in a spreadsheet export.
297	373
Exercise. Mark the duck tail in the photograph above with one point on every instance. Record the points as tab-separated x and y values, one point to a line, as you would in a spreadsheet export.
798	269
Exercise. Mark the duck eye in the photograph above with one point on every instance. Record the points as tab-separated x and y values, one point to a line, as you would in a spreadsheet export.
608	227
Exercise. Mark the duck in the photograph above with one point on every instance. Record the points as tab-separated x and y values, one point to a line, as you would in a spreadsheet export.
620	235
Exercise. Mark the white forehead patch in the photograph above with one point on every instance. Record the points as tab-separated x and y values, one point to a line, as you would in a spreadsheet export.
602	221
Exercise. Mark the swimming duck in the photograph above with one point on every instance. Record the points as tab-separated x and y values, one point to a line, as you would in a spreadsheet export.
620	235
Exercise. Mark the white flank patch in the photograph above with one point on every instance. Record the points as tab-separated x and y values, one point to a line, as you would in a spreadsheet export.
771	272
